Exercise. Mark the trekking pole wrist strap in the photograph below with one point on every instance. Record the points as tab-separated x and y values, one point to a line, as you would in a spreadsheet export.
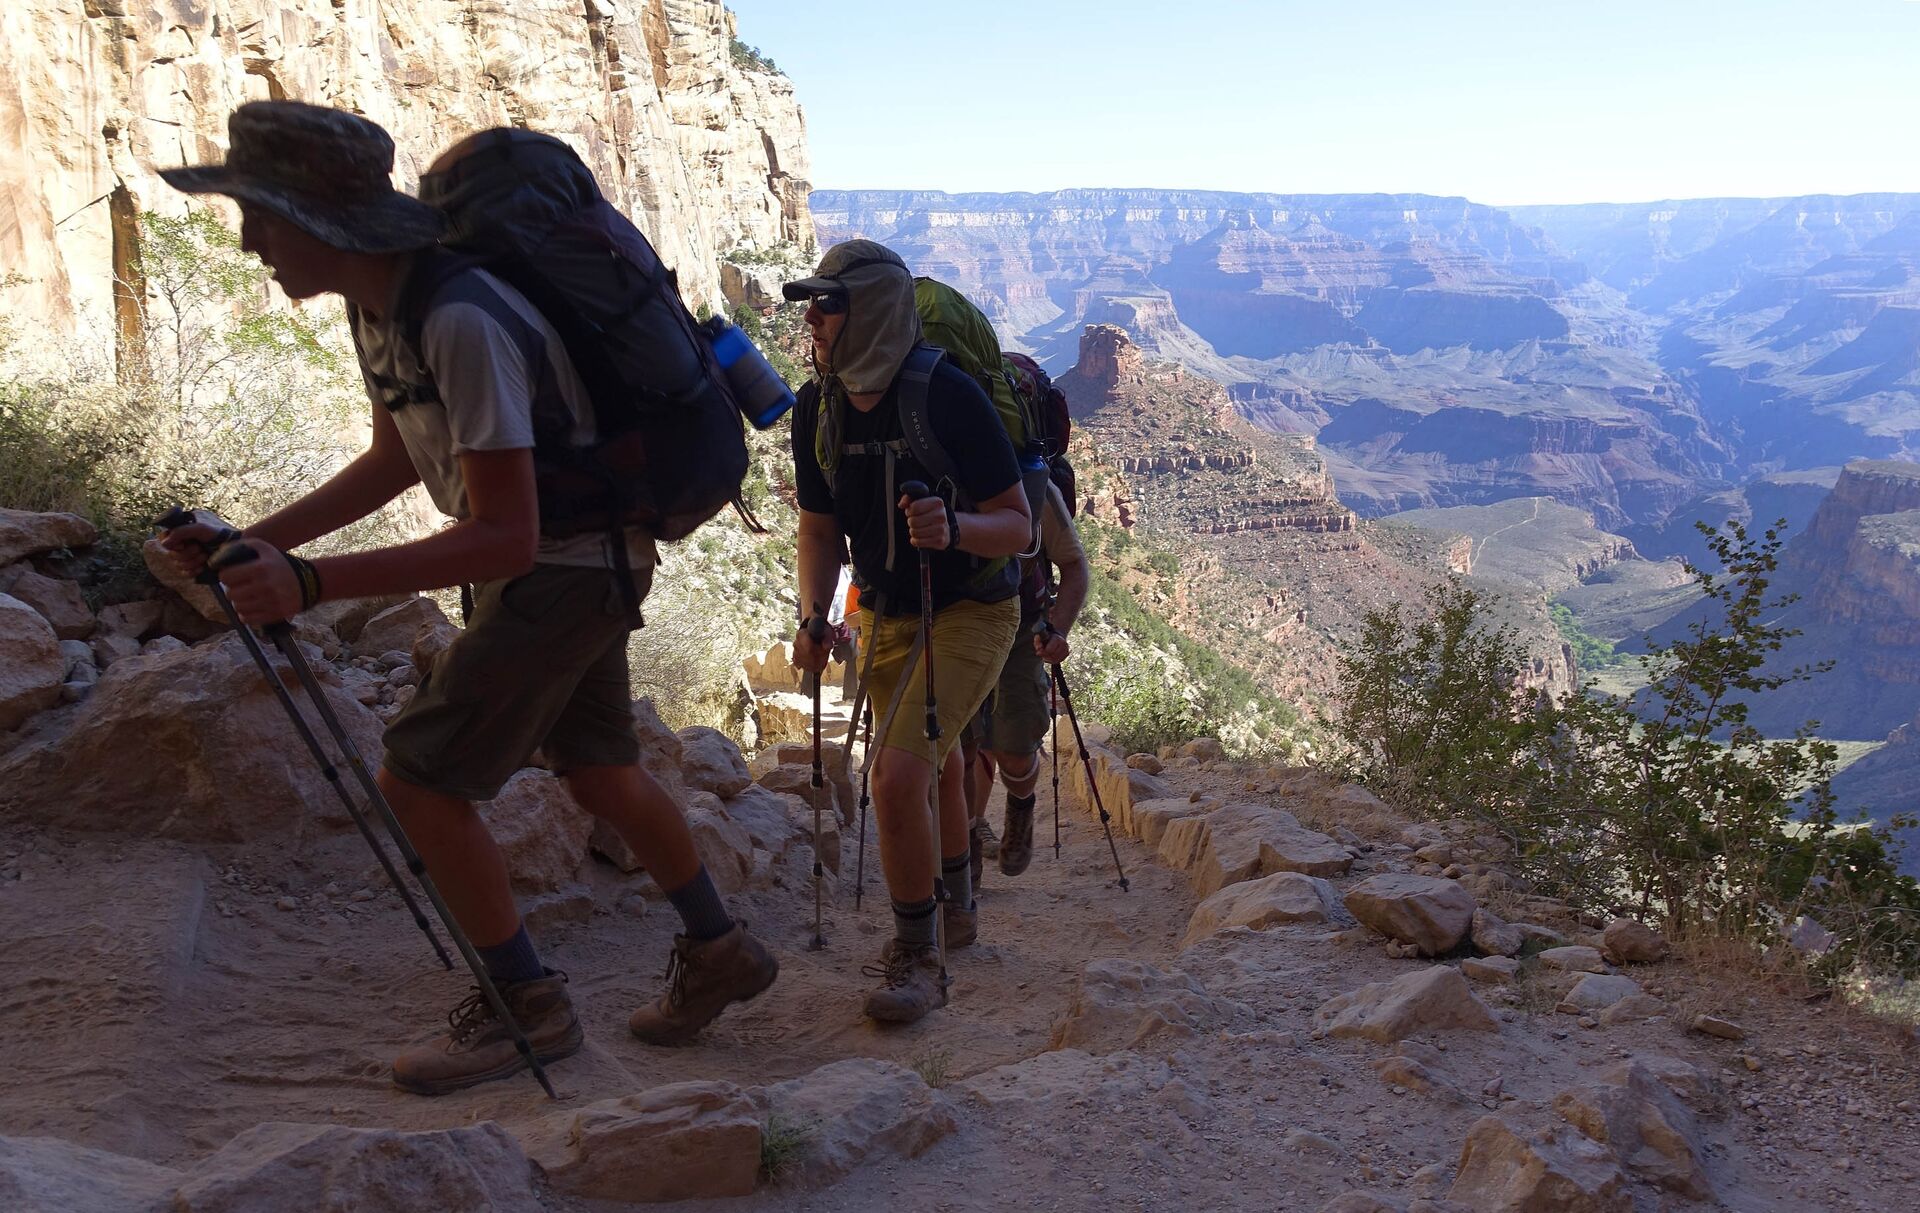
953	526
308	577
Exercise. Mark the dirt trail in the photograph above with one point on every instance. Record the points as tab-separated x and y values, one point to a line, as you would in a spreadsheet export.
160	1001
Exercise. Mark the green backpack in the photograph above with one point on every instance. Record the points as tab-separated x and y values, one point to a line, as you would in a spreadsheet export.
949	320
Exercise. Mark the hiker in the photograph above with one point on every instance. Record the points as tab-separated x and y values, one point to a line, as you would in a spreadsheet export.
542	662
851	459
1012	724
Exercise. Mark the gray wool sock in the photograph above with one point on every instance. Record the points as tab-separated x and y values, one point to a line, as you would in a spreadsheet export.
701	910
515	960
914	923
956	872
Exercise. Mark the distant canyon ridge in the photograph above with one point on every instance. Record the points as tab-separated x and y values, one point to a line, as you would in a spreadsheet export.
1626	359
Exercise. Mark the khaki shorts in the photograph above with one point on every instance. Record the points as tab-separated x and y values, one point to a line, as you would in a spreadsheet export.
970	641
1016	716
542	665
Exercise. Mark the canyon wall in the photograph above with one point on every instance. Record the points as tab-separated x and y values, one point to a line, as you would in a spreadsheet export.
705	152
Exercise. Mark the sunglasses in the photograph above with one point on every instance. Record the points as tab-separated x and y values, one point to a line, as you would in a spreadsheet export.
831	305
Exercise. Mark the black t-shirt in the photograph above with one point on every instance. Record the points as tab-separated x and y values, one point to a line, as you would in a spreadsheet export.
966	424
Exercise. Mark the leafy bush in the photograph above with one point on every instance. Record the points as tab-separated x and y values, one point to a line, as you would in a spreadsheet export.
1667	803
1589	651
750	59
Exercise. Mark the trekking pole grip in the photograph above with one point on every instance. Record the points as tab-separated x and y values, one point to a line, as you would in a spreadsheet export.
817	624
174	518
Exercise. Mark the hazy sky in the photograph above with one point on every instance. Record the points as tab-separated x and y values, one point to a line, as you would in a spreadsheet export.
1503	102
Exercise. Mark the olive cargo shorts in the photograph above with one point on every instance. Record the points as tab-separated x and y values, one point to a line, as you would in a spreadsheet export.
542	664
970	641
1016	716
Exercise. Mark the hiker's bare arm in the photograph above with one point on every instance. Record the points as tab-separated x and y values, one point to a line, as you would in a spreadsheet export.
1001	527
381	473
498	539
819	561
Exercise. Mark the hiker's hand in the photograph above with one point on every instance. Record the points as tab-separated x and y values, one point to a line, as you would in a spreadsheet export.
810	654
265	590
926	522
1052	646
188	546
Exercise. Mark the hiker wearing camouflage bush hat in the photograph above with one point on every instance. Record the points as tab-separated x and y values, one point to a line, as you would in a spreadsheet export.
472	384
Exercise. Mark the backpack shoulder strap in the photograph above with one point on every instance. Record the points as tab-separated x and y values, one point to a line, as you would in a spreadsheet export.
916	415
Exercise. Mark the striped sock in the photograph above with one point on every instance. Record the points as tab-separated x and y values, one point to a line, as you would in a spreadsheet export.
913	923
957	873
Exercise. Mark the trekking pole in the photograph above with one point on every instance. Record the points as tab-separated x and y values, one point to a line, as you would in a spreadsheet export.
1053	719
281	634
817	632
860	866
914	491
177	517
1086	757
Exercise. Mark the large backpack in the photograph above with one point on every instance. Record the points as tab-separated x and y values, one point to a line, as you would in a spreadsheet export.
1047	405
669	449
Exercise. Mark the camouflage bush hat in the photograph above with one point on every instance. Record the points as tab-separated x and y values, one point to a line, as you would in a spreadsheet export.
324	170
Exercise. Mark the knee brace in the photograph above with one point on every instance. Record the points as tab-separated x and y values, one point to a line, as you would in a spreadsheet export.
1019	773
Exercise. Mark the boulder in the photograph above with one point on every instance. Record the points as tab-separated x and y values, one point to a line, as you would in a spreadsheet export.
660	750
77	654
1123	1003
1696	1088
1061	1078
1204	749
140	620
164	644
31	664
710	762
274	1167
725	846
112	647
796	780
398	627
800	753
1706	1025
432	641
783	716
346	617
1499	970
686	1141
855	1111
1240	841
1627	942
1280	898
198	599
1146	762
1430	913
190	745
777	823
1576	958
1430	1000
1611	998
1503	1169
1152	817
1648	1128
24	534
59	602
541	832
48	1175
1494	936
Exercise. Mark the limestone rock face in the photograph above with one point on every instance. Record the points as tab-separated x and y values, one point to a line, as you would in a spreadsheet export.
1280	898
855	1111
1431	1000
704	154
690	1140
234	770
1429	912
31	665
279	1166
1504	1170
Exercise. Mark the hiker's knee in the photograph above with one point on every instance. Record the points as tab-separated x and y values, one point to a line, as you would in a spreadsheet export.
900	782
420	809
1019	772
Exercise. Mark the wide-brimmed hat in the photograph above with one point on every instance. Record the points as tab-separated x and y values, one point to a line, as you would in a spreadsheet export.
324	170
841	269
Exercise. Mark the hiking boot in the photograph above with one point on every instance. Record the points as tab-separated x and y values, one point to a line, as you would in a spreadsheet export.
478	1048
703	978
963	926
981	846
911	983
1016	852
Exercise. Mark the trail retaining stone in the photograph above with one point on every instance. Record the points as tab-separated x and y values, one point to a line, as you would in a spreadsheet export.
275	1167
47	1175
1124	1003
855	1111
1429	912
686	1141
1431	1000
1280	898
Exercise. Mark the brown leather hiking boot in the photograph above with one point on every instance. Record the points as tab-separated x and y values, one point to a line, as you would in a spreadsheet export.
911	983
703	978
1016	849
963	926
478	1048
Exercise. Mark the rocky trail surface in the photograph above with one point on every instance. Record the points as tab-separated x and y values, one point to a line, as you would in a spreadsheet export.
1303	1002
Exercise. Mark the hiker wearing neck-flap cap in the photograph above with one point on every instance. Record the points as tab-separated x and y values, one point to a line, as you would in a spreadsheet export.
936	587
472	383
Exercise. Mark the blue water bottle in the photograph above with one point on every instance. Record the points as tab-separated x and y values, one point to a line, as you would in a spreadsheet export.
764	397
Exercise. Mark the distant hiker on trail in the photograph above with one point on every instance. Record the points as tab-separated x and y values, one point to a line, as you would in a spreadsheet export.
852	459
1013	722
542	662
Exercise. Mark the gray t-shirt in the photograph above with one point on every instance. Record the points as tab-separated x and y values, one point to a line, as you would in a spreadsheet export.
496	364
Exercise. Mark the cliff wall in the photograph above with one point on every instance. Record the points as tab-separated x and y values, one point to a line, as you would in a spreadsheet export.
704	153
